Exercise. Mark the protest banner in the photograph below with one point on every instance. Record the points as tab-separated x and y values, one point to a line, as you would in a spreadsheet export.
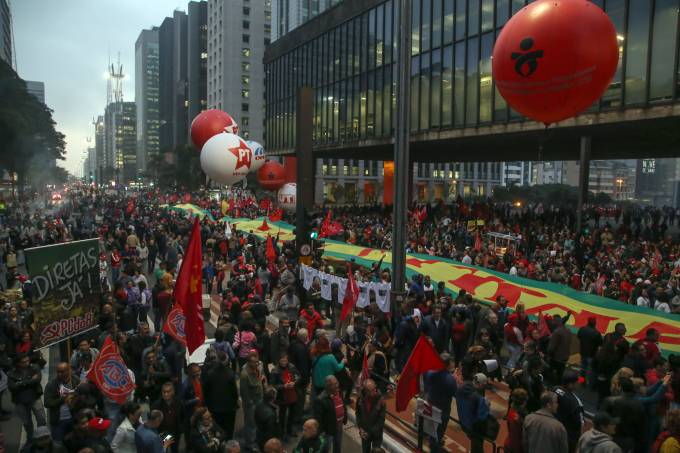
66	289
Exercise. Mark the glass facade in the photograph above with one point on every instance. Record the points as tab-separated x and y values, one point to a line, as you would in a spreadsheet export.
352	68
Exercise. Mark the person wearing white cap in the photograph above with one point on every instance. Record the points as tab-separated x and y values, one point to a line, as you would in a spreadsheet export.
473	410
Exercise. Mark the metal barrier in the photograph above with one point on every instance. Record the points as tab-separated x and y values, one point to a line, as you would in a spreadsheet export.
418	429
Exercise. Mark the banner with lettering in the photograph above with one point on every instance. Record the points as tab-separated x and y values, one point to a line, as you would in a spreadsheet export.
66	289
486	285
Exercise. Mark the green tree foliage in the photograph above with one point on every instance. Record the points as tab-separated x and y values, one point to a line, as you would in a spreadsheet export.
184	171
29	142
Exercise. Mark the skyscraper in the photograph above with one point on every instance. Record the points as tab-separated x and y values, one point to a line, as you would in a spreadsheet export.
120	142
290	14
180	83
5	32
146	97
197	58
237	35
182	44
166	44
100	152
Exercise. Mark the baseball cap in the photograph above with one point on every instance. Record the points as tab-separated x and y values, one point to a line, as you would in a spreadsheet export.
481	379
99	424
41	431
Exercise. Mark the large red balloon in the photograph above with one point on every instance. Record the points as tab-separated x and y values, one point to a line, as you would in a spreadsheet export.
209	123
272	175
555	58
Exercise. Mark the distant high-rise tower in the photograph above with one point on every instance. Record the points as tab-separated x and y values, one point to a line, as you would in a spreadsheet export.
147	97
237	36
6	44
197	59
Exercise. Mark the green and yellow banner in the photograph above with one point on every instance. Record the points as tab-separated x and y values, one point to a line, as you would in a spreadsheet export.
487	285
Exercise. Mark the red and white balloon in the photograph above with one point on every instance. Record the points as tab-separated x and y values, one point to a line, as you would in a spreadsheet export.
287	196
210	123
226	158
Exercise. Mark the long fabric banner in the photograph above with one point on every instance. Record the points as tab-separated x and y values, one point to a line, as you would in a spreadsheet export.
487	285
66	289
381	291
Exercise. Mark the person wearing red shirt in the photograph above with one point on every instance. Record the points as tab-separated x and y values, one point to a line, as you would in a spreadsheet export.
652	351
115	264
515	420
311	319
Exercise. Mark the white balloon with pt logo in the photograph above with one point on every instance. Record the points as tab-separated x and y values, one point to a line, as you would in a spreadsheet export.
226	158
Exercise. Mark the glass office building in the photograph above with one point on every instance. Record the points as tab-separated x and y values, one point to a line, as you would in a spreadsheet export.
351	63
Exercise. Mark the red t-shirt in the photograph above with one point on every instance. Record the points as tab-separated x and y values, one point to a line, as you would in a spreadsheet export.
339	408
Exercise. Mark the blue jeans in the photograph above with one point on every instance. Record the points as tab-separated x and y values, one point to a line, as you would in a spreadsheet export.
515	351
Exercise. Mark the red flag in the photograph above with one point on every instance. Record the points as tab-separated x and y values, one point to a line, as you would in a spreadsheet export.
174	325
188	291
351	295
276	216
110	374
231	206
265	204
543	329
264	226
423	358
478	242
364	371
325	226
270	252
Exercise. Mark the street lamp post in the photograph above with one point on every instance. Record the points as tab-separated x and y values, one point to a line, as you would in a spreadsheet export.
402	165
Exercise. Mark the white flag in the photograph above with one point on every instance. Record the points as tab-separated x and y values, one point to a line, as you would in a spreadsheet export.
227	231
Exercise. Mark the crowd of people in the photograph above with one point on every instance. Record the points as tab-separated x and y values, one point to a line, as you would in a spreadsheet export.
284	361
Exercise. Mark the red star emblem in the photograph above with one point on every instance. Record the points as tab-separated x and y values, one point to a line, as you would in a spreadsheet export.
243	155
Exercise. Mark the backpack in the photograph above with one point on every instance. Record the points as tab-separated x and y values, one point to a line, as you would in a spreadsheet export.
656	446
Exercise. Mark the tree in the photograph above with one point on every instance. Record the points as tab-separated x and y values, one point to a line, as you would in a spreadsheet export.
180	167
29	142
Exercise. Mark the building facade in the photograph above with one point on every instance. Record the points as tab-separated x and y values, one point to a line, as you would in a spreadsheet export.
182	44
6	44
147	98
120	142
348	55
287	15
197	58
100	150
238	32
658	182
37	89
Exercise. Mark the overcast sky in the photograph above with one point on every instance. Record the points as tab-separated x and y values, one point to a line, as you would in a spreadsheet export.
66	44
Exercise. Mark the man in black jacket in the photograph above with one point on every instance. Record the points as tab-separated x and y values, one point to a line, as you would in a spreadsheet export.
57	393
438	329
627	407
221	394
265	418
370	416
24	385
590	340
570	411
172	408
331	412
